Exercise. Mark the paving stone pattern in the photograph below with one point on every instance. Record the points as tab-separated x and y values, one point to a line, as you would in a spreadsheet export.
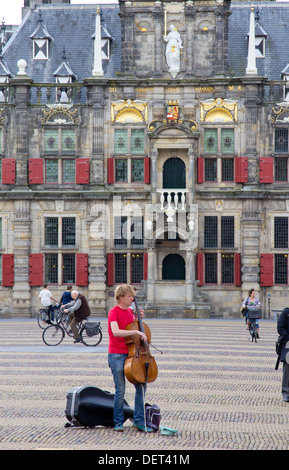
219	390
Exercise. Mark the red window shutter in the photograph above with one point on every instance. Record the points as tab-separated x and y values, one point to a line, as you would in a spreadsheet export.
200	268
266	165
7	270
267	270
81	269
82	171
200	170
237	268
110	269
36	269
35	170
147	167
8	170
145	266
241	170
110	170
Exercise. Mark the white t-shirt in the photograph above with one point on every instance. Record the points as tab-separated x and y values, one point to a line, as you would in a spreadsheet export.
44	296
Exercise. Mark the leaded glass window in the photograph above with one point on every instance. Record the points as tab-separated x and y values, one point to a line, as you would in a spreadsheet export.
51	268
68	269
120	231
280	232
68	140
281	140
211	268
51	171
120	268
68	171
120	170
137	141
227	268
51	231
227	232
281	269
211	170
281	169
120	141
137	170
68	231
137	231
51	140
211	141
211	232
136	268
227	169
227	141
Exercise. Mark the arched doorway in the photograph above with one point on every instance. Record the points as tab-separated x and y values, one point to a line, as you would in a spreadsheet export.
174	268
174	174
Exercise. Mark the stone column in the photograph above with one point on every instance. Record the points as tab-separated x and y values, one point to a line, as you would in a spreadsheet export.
22	248
150	305
19	145
96	223
250	231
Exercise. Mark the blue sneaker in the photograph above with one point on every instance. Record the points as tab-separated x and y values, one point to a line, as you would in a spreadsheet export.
143	428
119	428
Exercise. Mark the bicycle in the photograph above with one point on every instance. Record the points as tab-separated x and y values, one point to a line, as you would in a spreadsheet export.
43	316
90	333
254	313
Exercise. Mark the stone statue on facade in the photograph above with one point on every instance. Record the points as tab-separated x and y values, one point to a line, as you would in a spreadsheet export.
173	50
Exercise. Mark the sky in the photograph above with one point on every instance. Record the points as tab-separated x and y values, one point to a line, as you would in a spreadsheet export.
10	10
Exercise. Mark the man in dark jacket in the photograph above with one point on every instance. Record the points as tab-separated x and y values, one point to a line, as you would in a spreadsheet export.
283	331
77	310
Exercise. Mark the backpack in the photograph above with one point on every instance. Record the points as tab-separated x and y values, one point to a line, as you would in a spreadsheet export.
153	416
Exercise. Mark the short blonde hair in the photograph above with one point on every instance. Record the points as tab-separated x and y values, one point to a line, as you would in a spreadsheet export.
123	290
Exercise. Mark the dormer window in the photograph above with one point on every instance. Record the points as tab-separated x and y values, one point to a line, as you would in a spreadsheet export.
41	40
40	49
64	75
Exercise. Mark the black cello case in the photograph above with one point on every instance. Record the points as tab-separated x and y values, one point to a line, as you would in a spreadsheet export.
91	406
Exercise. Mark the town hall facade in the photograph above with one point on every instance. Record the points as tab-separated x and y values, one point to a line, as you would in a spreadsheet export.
145	142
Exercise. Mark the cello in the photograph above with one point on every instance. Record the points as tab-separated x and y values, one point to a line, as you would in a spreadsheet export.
140	366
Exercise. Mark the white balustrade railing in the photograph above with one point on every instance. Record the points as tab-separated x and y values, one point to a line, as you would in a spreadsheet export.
174	198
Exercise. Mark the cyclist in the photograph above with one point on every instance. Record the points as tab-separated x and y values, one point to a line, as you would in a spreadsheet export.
66	296
46	299
77	310
251	301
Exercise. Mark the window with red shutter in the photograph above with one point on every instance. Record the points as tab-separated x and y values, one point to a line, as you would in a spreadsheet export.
267	269
200	268
110	170
266	169
36	170
81	269
110	269
200	170
36	269
7	270
82	171
8	170
237	269
241	170
147	170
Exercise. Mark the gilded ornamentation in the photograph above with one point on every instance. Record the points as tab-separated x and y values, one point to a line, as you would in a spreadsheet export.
59	114
129	111
219	110
280	114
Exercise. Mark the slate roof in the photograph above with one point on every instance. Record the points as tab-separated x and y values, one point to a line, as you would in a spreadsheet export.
274	20
70	27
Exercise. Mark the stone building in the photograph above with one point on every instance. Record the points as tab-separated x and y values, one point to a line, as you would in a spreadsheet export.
145	142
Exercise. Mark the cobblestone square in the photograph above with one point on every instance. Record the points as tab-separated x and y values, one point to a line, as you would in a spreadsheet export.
219	390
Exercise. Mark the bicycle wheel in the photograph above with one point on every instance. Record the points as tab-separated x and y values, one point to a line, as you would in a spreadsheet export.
90	340
53	335
42	318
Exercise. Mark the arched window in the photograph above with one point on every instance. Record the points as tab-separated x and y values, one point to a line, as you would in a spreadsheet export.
174	268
